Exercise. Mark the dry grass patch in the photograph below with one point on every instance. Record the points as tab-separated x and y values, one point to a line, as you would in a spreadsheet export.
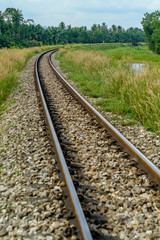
11	63
11	57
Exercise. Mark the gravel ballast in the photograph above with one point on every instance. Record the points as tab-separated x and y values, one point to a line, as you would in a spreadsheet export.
30	207
30	184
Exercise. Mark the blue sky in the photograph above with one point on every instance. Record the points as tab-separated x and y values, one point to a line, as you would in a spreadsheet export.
126	13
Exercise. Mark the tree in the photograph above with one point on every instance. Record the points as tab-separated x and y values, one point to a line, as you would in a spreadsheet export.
2	23
14	18
62	26
151	26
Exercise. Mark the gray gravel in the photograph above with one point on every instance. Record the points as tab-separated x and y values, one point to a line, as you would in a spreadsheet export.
128	199
30	207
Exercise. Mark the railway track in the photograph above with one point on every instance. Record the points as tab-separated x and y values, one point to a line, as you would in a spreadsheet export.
100	175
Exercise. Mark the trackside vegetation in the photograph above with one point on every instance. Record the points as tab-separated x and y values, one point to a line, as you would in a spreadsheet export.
101	71
12	62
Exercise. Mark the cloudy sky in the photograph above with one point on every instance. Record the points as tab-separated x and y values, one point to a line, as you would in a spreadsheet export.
126	13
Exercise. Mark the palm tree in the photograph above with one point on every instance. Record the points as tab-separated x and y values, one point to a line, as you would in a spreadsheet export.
14	19
17	17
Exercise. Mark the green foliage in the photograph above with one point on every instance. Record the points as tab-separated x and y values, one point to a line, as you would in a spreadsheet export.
151	25
15	31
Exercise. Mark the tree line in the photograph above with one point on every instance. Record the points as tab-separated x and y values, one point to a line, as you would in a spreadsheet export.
15	31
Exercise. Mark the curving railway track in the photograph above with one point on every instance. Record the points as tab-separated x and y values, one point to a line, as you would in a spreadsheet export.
108	196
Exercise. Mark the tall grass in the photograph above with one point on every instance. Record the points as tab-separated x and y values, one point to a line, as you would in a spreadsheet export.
121	89
11	63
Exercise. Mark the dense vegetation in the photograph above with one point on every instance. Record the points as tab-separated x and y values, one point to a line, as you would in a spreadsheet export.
151	25
15	31
101	72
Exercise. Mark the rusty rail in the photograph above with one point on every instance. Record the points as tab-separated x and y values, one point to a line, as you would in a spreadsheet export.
84	229
144	163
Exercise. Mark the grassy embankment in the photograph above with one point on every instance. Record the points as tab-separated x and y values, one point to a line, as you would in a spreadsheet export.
12	62
101	72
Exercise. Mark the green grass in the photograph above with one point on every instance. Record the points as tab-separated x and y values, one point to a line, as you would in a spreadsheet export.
98	46
7	86
115	105
100	71
139	53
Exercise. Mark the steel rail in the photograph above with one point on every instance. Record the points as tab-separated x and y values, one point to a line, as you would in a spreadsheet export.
144	163
84	229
